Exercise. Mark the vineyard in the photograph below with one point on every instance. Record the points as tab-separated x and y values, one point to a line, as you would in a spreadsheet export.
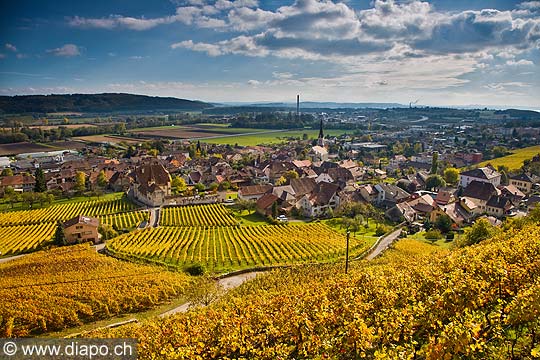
197	215
227	247
65	211
128	220
64	287
24	238
26	231
478	302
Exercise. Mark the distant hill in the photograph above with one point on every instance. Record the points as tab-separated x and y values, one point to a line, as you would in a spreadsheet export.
94	103
320	105
520	114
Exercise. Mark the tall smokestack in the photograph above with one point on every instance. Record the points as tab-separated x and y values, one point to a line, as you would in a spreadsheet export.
298	106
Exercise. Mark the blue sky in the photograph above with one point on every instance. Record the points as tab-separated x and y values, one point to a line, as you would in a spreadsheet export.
441	52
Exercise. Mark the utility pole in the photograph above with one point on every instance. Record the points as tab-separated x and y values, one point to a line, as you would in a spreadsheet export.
347	254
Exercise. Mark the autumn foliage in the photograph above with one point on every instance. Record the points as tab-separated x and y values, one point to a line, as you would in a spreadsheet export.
478	302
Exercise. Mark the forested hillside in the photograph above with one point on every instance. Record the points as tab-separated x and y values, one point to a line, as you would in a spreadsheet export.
95	103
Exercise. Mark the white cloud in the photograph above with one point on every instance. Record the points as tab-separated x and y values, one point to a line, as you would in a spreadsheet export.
521	62
11	47
282	75
530	5
68	50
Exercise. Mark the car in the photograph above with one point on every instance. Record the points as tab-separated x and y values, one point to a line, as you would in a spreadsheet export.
229	201
282	218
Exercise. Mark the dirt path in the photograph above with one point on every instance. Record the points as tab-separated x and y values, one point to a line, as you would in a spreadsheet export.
227	284
383	244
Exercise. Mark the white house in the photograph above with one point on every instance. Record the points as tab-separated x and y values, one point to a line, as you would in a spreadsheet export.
318	153
483	174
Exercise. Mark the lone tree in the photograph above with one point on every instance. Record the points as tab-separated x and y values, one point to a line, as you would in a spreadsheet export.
102	179
206	292
41	184
59	236
435	182
451	175
80	181
435	163
274	209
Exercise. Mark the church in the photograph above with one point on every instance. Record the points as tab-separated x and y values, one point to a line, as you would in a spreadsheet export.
319	152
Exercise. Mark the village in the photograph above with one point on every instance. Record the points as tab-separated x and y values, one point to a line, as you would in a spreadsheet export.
302	179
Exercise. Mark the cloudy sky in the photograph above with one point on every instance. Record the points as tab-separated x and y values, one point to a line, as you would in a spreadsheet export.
451	52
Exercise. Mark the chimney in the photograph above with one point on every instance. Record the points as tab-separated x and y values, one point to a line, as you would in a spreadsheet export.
298	106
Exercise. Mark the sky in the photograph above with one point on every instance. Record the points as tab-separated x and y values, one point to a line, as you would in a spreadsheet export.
460	52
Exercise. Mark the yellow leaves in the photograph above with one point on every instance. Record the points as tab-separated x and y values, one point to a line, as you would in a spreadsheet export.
535	353
77	285
469	303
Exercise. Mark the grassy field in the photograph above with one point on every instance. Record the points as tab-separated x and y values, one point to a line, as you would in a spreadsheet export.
442	243
269	138
515	160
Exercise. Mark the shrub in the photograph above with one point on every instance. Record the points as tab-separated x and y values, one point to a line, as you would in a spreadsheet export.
380	230
195	269
433	235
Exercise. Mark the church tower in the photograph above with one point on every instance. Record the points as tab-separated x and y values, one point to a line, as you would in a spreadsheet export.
320	142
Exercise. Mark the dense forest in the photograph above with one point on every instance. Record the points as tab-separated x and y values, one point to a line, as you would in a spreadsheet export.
94	103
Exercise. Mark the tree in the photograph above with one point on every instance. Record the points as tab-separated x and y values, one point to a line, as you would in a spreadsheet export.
451	175
435	182
178	184
200	187
290	174
213	186
107	231
102	179
504	178
281	181
434	162
59	236
80	181
205	292
481	230
29	198
444	223
225	185
41	183
274	209
7	172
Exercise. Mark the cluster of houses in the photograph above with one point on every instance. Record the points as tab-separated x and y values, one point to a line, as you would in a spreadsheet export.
480	193
310	184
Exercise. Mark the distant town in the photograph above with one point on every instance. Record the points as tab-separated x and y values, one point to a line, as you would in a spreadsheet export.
423	167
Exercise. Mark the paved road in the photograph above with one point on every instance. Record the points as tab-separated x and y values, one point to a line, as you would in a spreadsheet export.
383	244
154	217
227	284
3	260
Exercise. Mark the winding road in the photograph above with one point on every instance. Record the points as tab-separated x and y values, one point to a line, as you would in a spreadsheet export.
383	244
227	284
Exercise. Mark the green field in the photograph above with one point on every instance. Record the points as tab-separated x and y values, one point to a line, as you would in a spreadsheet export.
269	138
515	160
